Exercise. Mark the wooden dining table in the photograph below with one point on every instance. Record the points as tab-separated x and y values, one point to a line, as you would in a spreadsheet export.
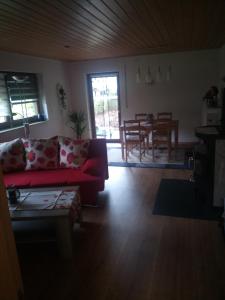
173	125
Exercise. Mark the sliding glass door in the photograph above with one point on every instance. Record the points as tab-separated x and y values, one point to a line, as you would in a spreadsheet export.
104	105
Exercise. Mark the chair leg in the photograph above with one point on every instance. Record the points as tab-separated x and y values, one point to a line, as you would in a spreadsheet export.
153	152
122	150
126	153
148	143
140	152
169	151
144	147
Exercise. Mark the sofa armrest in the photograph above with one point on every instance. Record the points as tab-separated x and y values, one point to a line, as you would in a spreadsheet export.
94	166
98	149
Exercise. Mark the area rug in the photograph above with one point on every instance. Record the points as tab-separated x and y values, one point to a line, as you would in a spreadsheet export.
149	165
178	160
179	198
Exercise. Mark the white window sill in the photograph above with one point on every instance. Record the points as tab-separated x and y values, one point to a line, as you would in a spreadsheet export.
19	127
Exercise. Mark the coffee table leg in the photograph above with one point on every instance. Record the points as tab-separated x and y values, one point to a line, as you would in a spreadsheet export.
64	237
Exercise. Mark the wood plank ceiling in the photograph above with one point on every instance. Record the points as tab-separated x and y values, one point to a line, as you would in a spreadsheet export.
91	29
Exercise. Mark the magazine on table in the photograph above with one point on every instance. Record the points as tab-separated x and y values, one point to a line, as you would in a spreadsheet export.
44	200
65	200
38	200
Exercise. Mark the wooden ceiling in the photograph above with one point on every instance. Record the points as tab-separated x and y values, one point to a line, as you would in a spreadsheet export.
92	29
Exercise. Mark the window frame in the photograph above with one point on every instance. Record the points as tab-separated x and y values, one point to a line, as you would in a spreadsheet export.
10	122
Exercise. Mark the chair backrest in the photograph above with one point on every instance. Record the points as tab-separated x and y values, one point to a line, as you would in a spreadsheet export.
161	131
161	136
132	128
144	117
164	116
141	117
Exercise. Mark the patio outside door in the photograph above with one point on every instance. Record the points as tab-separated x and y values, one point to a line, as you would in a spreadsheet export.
104	105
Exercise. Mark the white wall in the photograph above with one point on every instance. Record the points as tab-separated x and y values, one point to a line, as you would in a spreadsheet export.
52	72
193	73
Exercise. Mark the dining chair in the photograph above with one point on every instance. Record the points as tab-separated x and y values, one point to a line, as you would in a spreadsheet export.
141	117
148	119
144	117
161	137
134	138
164	116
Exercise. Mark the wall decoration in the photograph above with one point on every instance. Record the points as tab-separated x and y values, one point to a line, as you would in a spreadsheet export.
211	97
61	94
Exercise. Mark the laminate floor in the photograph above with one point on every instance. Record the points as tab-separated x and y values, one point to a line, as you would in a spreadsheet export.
124	252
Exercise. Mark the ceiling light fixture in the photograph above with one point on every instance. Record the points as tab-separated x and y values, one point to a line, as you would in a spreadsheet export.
138	75
168	73
152	77
148	77
159	75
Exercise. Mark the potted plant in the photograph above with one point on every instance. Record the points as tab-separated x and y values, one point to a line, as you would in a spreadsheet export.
78	123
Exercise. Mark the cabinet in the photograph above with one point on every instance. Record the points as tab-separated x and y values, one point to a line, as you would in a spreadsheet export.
219	173
210	115
211	178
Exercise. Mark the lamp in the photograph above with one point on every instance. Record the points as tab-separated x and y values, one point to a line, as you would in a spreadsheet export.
26	125
157	78
138	75
159	75
168	73
148	77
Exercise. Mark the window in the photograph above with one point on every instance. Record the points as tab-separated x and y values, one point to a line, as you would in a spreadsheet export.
19	99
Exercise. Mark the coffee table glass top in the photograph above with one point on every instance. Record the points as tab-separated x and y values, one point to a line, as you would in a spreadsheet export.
44	200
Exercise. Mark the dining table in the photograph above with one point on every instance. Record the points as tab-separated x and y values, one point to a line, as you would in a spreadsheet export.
148	127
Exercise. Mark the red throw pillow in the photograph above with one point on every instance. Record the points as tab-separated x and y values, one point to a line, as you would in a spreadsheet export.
94	166
41	153
72	153
12	156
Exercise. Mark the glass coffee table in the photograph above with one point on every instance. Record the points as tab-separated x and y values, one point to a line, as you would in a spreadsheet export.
59	204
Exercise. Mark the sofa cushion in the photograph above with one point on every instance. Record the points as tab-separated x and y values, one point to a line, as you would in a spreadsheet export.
73	153
41	153
89	185
12	156
57	177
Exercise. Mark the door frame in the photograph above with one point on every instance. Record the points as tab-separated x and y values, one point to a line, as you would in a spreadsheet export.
91	101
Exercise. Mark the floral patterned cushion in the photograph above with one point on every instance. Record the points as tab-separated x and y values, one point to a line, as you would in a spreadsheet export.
73	153
12	156
41	153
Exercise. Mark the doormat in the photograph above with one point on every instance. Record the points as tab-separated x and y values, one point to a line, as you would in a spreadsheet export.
179	198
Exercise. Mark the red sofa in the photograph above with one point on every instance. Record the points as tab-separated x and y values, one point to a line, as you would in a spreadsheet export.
90	176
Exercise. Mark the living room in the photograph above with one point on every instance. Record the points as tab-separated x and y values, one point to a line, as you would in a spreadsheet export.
122	250
192	75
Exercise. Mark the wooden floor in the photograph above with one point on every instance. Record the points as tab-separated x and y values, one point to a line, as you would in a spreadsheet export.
124	252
